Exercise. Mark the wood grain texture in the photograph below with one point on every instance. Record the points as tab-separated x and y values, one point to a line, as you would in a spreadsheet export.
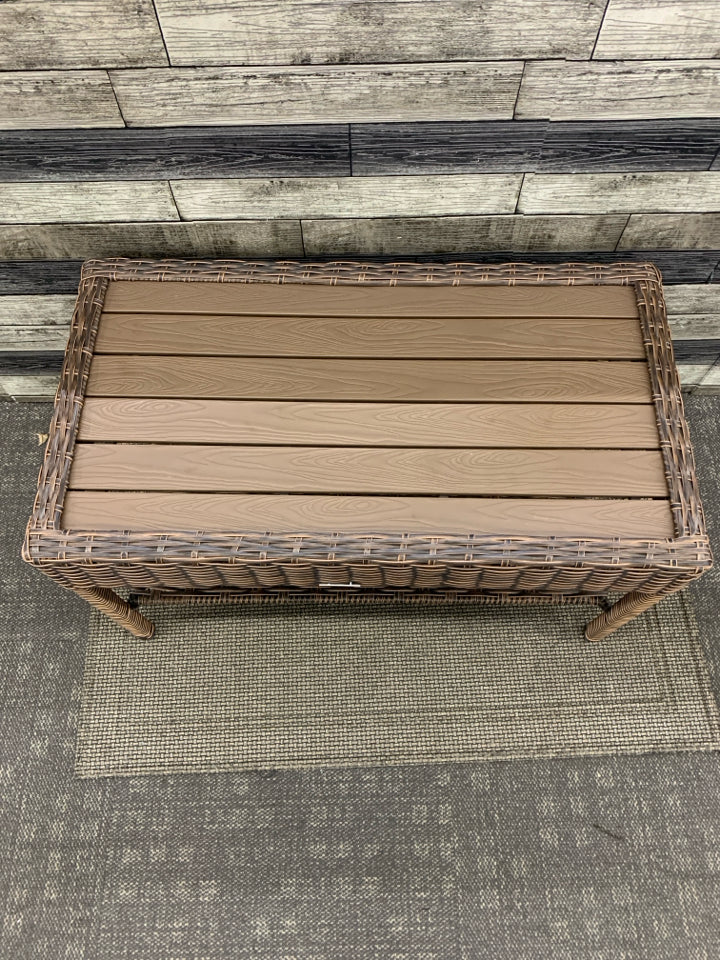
30	362
628	145
35	277
698	299
36	388
620	193
461	235
429	338
203	152
659	29
364	424
619	91
249	238
57	98
692	374
674	231
79	202
332	94
358	470
348	196
533	145
507	517
37	34
24	311
412	380
341	31
18	340
365	300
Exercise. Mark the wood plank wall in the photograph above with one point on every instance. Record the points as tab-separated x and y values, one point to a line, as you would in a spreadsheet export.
543	130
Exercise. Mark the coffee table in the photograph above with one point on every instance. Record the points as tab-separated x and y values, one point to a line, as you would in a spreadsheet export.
227	428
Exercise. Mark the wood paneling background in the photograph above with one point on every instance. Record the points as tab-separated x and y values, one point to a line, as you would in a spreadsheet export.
536	129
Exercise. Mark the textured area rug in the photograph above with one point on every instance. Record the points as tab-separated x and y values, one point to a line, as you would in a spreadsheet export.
300	683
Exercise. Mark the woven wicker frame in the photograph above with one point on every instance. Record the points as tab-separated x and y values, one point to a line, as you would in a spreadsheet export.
191	562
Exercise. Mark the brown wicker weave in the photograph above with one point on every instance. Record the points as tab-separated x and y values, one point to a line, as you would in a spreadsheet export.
182	562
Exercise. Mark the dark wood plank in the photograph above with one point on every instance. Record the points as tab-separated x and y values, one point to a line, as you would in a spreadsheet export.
31	361
178	154
364	424
28	277
649	519
410	337
572	473
629	145
534	145
417	300
563	381
441	147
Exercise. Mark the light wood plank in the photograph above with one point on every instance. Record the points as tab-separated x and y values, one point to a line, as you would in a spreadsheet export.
419	380
583	473
693	310
364	424
619	91
324	94
57	98
365	300
347	196
461	235
672	231
25	338
80	33
464	515
692	374
34	311
408	337
87	202
620	193
328	31
659	29
28	386
72	241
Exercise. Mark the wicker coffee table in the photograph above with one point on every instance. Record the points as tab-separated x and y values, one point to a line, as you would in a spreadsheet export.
509	432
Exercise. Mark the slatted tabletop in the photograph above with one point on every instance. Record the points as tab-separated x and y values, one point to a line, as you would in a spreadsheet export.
500	410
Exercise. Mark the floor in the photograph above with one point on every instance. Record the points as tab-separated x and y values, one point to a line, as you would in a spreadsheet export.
613	858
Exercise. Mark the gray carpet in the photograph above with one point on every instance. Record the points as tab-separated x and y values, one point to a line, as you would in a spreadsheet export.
300	684
595	858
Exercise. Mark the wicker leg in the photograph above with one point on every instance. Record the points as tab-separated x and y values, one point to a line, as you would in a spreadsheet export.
625	610
118	610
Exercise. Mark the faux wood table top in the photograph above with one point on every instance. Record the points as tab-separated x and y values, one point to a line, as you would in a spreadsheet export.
202	403
497	409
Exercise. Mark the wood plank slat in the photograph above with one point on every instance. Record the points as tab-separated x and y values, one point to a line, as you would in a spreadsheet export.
337	93
593	381
660	29
87	202
328	31
365	424
91	511
364	300
407	337
359	470
41	99
623	90
674	231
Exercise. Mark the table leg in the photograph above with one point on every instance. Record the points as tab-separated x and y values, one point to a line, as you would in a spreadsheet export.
625	610
118	610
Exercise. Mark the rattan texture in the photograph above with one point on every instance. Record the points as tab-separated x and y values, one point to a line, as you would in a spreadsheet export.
197	562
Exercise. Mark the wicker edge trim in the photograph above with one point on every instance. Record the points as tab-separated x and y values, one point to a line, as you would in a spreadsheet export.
46	543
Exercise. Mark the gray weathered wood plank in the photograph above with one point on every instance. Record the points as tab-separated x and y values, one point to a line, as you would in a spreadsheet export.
197	96
28	387
37	34
672	231
347	196
620	193
229	238
57	98
626	90
83	202
377	31
462	235
694	311
36	311
659	29
26	338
